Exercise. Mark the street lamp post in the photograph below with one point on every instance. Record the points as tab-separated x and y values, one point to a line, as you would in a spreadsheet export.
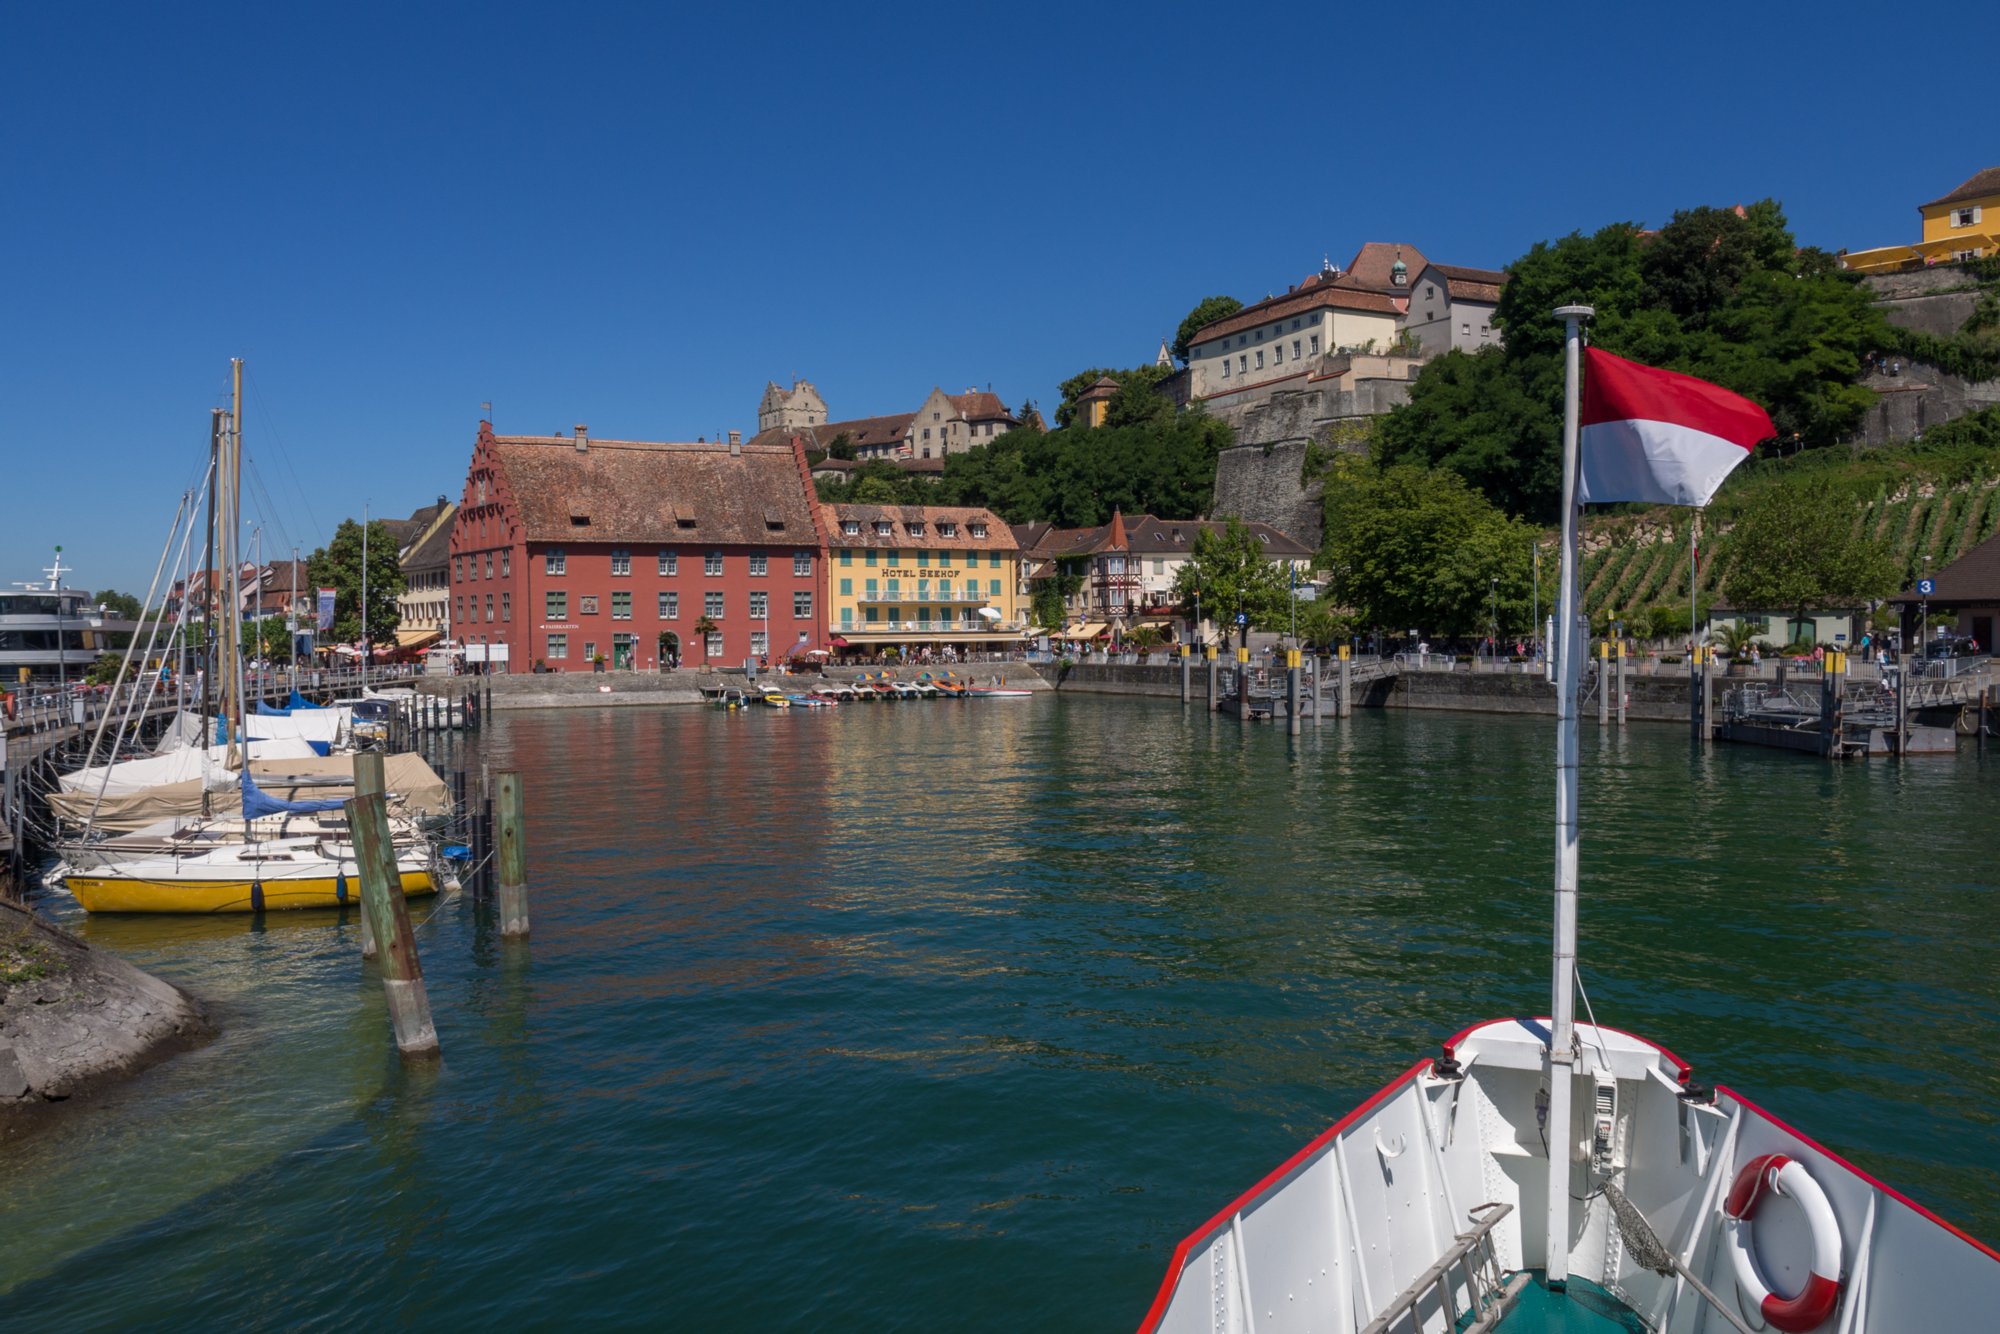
1493	618
1535	626
1924	632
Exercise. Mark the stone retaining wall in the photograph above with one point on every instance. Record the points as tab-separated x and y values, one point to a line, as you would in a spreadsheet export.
1652	698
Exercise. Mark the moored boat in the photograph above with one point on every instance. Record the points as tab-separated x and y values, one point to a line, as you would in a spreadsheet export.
241	877
1545	1174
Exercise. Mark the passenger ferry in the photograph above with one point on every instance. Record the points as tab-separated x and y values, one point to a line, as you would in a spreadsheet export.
48	632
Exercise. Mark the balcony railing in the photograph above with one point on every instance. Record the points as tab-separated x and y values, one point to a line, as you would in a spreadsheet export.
915	596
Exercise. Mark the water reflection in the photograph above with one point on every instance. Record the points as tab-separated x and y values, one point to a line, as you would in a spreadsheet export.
961	1014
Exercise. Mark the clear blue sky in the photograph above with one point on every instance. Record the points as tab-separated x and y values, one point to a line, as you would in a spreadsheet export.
633	216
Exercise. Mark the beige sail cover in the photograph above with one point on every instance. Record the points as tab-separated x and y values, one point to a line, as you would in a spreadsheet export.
414	788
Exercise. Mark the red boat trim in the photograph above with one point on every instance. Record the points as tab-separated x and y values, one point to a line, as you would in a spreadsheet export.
1682	1070
1870	1178
1177	1265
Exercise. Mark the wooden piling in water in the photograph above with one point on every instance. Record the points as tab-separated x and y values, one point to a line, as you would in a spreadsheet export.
1604	683
383	905
368	781
1624	687
1243	686
1187	674
512	851
1208	652
1292	691
1346	681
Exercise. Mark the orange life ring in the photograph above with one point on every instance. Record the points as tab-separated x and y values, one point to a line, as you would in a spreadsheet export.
1813	1304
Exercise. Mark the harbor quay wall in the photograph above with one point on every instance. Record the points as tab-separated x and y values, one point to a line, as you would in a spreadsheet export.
572	690
1662	698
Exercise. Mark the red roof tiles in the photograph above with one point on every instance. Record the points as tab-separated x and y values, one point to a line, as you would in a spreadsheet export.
1978	186
640	491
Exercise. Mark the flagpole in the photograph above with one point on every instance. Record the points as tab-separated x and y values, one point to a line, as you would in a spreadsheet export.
1697	672
1562	991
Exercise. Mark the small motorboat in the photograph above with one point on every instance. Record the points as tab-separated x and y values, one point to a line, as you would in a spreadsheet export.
996	692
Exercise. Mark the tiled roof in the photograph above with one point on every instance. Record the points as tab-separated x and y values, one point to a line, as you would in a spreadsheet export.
871	432
1472	284
926	466
1148	536
1972	578
1979	186
980	406
1320	296
641	491
999	537
432	551
1374	266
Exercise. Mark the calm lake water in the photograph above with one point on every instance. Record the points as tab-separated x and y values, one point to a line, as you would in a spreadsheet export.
960	1015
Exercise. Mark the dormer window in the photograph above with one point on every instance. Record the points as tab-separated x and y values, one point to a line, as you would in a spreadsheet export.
579	521
914	529
684	521
883	528
978	530
947	530
850	527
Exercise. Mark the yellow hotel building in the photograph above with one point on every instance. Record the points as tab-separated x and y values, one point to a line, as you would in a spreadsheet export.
1964	224
915	576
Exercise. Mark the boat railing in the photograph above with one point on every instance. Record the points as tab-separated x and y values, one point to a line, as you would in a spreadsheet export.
1488	1291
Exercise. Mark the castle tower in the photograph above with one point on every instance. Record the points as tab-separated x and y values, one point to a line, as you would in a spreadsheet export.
790	409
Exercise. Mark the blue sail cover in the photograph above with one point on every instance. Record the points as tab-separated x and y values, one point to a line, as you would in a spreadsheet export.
298	701
266	711
256	804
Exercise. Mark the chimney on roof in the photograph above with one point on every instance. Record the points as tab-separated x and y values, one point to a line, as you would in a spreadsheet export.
735	444
582	438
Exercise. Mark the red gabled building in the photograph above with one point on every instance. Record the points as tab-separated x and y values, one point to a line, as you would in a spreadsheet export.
568	548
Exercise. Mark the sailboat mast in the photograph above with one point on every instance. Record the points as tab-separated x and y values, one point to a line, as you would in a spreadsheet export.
232	690
367	645
1562	991
210	661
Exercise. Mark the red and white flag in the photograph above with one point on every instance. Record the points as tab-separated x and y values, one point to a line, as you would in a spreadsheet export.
1659	435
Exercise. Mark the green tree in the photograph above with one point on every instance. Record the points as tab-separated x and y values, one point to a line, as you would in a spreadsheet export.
1418	548
1075	477
841	448
1211	309
1802	548
121	605
1234	573
269	639
1694	267
1074	386
337	565
1725	296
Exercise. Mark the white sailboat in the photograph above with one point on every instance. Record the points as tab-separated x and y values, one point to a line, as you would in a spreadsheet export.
1541	1174
273	853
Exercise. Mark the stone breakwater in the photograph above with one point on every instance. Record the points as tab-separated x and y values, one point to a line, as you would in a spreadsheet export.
74	1018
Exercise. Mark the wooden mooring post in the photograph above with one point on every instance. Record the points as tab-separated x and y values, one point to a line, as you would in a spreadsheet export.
1603	683
368	781
1243	685
1624	688
1187	674
1292	691
1346	707
1208	652
512	851
387	912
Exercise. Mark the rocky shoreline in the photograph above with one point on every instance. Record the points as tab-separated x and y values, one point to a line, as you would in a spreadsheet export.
74	1019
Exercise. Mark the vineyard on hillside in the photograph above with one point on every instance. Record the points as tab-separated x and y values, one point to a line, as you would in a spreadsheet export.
1938	497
